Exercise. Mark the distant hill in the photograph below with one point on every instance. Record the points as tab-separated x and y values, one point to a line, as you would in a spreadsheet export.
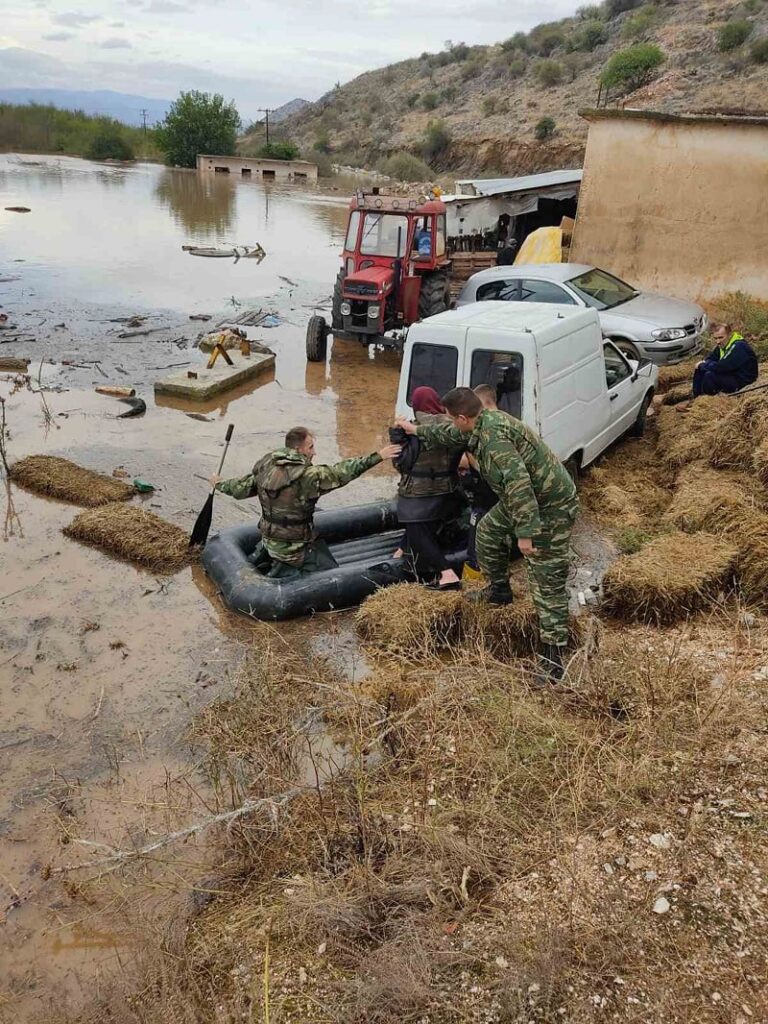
287	109
121	106
475	109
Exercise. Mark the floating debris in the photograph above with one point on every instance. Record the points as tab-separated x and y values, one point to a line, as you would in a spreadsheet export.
60	478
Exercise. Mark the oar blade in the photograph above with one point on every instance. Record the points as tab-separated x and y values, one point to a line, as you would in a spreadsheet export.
203	525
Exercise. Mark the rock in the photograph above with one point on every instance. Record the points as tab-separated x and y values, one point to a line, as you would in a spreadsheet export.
650	876
661	840
661	906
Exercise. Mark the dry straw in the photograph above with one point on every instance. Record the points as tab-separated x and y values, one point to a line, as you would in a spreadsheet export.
672	376
409	621
702	495
60	478
687	435
672	577
134	534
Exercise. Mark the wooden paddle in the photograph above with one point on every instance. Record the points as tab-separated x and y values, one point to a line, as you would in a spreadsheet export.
203	525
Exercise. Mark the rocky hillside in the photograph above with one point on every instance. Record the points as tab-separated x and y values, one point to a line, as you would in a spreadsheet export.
476	109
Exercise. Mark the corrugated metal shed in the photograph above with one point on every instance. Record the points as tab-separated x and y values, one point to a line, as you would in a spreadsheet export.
506	186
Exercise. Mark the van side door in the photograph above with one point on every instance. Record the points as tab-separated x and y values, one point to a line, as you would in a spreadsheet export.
623	396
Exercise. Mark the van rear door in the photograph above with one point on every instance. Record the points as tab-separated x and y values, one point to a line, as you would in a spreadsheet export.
498	358
433	359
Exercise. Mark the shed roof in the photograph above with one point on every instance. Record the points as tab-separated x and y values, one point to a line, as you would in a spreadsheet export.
632	114
527	183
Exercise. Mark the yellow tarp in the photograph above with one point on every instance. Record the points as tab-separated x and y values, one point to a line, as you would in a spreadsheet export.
544	245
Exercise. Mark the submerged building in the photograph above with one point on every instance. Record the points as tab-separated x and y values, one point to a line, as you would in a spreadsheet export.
258	168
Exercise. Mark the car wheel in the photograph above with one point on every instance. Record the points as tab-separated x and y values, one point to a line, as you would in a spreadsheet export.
627	348
638	427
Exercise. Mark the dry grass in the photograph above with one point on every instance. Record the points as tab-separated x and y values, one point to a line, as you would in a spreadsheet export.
60	478
134	534
629	487
703	494
669	579
409	621
743	427
760	462
688	434
680	373
747	529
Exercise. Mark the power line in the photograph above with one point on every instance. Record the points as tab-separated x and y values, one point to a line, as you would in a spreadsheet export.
144	120
266	112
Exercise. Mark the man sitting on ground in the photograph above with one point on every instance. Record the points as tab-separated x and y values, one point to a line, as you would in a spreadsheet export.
288	487
730	366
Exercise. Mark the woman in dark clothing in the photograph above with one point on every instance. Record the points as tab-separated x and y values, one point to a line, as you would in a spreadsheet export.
428	494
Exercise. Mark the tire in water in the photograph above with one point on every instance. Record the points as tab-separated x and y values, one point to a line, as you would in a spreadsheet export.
317	339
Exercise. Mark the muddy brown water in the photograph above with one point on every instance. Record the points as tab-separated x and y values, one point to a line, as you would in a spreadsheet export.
103	664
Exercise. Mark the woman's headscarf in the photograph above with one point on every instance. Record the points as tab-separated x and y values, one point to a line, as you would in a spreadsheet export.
426	400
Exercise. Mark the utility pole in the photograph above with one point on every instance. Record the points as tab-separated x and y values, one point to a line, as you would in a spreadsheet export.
144	120
266	112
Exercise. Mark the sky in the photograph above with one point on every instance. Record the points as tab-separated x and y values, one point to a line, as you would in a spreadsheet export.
260	53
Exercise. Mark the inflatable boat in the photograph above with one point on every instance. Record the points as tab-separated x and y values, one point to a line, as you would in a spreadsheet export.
361	538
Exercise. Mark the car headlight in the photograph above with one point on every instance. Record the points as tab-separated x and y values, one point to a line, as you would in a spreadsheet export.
373	311
345	309
669	334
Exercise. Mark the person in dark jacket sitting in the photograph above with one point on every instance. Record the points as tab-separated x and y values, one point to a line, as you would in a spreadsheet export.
730	366
428	494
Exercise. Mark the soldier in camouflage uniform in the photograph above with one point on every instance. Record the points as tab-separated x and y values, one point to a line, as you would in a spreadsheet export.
537	508
288	487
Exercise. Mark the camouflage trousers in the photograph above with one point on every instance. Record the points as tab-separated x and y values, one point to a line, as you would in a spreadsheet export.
547	568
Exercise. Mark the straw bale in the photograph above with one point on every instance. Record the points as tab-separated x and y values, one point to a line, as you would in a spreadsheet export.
60	478
676	395
702	496
629	486
741	429
673	576
680	373
134	534
760	462
686	435
504	632
410	621
748	530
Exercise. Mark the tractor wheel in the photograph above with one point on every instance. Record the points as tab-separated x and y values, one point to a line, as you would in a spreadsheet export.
317	339
336	321
435	296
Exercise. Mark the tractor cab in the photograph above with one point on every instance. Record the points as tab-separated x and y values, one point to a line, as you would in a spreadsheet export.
394	270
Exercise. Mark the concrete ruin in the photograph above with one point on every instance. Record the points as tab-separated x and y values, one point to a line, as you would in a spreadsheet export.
258	168
676	203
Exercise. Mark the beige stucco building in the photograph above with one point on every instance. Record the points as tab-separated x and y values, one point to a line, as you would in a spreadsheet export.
677	204
256	167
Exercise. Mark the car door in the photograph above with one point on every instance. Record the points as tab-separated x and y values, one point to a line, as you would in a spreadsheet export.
623	396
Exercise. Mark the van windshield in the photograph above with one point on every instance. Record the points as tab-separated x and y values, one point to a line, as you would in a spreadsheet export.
602	290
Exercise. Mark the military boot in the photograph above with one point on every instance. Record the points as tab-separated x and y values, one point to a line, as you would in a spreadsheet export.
549	668
497	592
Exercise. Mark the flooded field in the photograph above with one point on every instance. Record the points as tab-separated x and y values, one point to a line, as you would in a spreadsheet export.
102	664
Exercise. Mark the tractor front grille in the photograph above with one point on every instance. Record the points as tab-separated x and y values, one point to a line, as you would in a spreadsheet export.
360	288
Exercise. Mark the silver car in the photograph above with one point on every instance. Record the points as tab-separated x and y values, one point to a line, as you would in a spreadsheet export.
663	330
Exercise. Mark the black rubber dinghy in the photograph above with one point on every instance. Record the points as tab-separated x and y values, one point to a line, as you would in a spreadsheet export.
362	539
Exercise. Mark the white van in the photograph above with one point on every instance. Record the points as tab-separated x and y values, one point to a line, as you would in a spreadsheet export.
549	364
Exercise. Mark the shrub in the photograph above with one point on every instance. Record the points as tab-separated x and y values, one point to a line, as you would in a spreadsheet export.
448	94
732	34
632	68
546	38
411	100
590	12
641	22
545	129
759	51
109	145
322	161
549	72
516	68
437	139
572	63
406	167
278	151
590	35
519	41
429	100
322	143
489	106
388	76
615	7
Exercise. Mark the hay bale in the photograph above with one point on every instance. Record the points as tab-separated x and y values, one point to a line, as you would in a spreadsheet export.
747	528
134	534
60	478
687	435
509	631
670	578
410	621
702	496
760	462
677	395
680	373
744	425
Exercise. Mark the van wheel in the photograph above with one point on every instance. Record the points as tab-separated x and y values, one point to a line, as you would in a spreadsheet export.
627	348
317	339
638	427
573	465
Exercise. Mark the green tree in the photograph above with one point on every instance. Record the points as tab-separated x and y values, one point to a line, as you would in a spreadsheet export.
545	129
549	72
437	139
281	150
406	167
732	34
109	145
198	122
632	68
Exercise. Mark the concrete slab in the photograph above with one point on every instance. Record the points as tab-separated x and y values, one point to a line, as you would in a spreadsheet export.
221	378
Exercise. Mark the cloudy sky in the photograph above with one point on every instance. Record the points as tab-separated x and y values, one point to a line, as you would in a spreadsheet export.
258	52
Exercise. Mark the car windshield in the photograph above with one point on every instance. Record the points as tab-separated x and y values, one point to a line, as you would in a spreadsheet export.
602	290
381	233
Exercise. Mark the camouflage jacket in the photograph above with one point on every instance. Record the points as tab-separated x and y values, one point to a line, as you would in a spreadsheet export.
514	461
316	481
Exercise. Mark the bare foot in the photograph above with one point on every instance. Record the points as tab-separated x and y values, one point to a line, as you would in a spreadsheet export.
398	553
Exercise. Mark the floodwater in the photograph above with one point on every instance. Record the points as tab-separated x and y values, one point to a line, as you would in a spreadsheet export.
103	664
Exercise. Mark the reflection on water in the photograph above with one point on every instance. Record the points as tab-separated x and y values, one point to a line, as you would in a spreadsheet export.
201	204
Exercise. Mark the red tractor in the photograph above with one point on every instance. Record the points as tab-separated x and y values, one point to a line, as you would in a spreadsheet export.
394	271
